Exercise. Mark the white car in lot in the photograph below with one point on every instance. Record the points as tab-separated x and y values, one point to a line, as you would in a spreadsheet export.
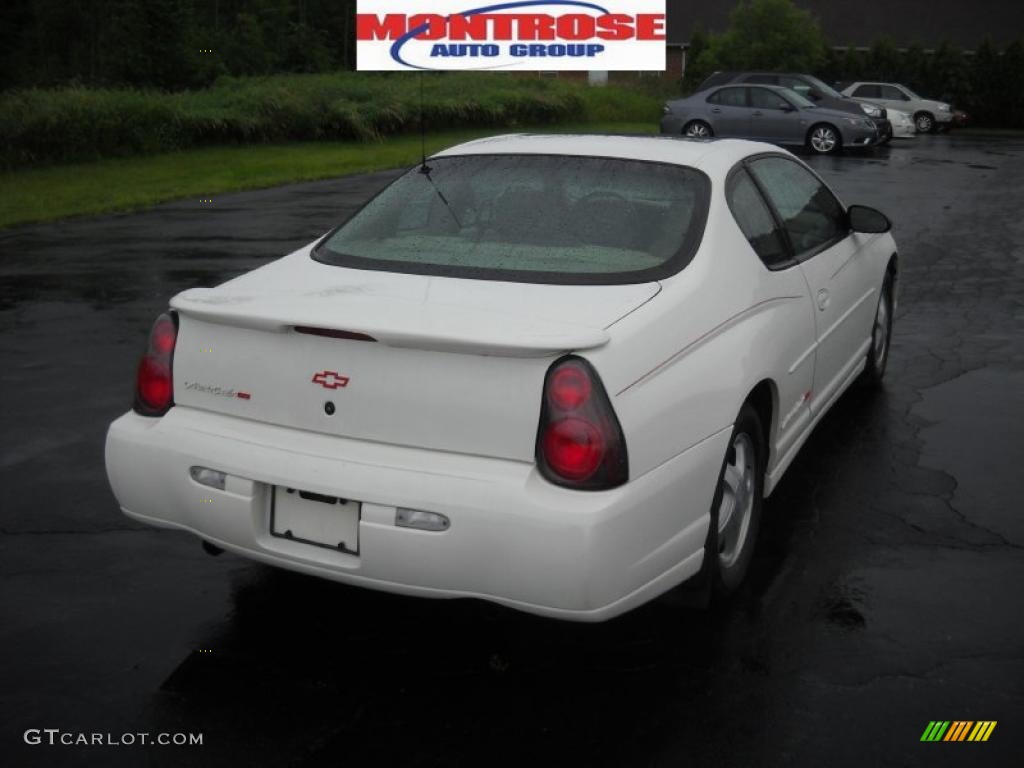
559	373
929	115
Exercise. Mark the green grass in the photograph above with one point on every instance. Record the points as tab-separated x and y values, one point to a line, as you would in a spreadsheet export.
70	151
124	184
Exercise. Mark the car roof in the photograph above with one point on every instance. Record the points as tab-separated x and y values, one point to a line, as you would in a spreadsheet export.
702	154
769	86
776	88
747	72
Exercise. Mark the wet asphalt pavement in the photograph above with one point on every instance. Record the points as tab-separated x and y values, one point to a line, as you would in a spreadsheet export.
888	589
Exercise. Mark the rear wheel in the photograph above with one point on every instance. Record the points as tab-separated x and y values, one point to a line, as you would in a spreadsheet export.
735	519
925	122
881	335
824	139
736	509
698	129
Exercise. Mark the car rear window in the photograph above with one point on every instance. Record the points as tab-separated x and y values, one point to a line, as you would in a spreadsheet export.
529	218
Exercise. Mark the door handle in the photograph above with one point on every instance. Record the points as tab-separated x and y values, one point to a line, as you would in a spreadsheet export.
758	114
823	299
716	110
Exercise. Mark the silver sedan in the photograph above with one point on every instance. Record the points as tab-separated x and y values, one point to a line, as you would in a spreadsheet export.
767	113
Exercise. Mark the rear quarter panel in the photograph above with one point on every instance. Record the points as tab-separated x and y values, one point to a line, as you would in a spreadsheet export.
679	368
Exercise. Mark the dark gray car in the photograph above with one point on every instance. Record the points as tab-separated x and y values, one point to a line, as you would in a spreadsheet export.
810	88
767	113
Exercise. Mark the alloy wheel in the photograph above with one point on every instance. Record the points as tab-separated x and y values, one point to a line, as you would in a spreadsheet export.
880	340
824	139
737	505
697	131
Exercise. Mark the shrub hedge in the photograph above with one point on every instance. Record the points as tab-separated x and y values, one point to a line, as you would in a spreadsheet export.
75	123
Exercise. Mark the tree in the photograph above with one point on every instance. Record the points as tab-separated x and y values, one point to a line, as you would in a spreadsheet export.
1013	65
884	60
915	67
246	50
767	34
987	87
833	68
948	73
694	73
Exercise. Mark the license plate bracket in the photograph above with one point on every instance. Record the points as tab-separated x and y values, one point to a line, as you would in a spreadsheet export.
315	518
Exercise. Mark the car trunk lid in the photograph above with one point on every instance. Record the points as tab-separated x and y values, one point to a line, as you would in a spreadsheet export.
441	363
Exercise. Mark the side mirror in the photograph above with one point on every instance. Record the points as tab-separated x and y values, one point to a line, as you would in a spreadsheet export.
815	94
868	221
785	106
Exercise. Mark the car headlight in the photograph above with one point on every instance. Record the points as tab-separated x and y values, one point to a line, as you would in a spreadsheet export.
944	108
860	122
667	109
871	110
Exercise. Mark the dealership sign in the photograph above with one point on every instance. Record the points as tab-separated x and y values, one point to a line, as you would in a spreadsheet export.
509	36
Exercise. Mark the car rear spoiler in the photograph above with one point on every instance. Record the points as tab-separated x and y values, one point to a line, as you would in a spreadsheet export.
392	321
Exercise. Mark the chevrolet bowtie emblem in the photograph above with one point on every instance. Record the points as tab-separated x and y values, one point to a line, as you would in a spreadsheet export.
330	380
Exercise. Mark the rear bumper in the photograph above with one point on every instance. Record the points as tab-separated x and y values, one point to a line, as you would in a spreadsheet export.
514	539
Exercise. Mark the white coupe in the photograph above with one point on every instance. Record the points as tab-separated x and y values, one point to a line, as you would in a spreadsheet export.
555	372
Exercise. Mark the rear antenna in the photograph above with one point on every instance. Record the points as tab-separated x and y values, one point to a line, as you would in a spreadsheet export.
424	168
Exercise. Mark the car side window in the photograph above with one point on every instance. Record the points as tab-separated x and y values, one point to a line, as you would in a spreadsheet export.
868	92
892	93
755	220
762	98
810	213
729	97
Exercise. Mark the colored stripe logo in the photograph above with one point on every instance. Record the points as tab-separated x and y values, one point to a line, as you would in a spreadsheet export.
958	730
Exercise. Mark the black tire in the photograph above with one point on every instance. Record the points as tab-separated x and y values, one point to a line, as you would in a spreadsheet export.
690	130
824	139
724	570
878	352
713	583
925	122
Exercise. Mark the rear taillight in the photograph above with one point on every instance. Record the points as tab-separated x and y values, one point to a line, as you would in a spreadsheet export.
154	387
579	442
